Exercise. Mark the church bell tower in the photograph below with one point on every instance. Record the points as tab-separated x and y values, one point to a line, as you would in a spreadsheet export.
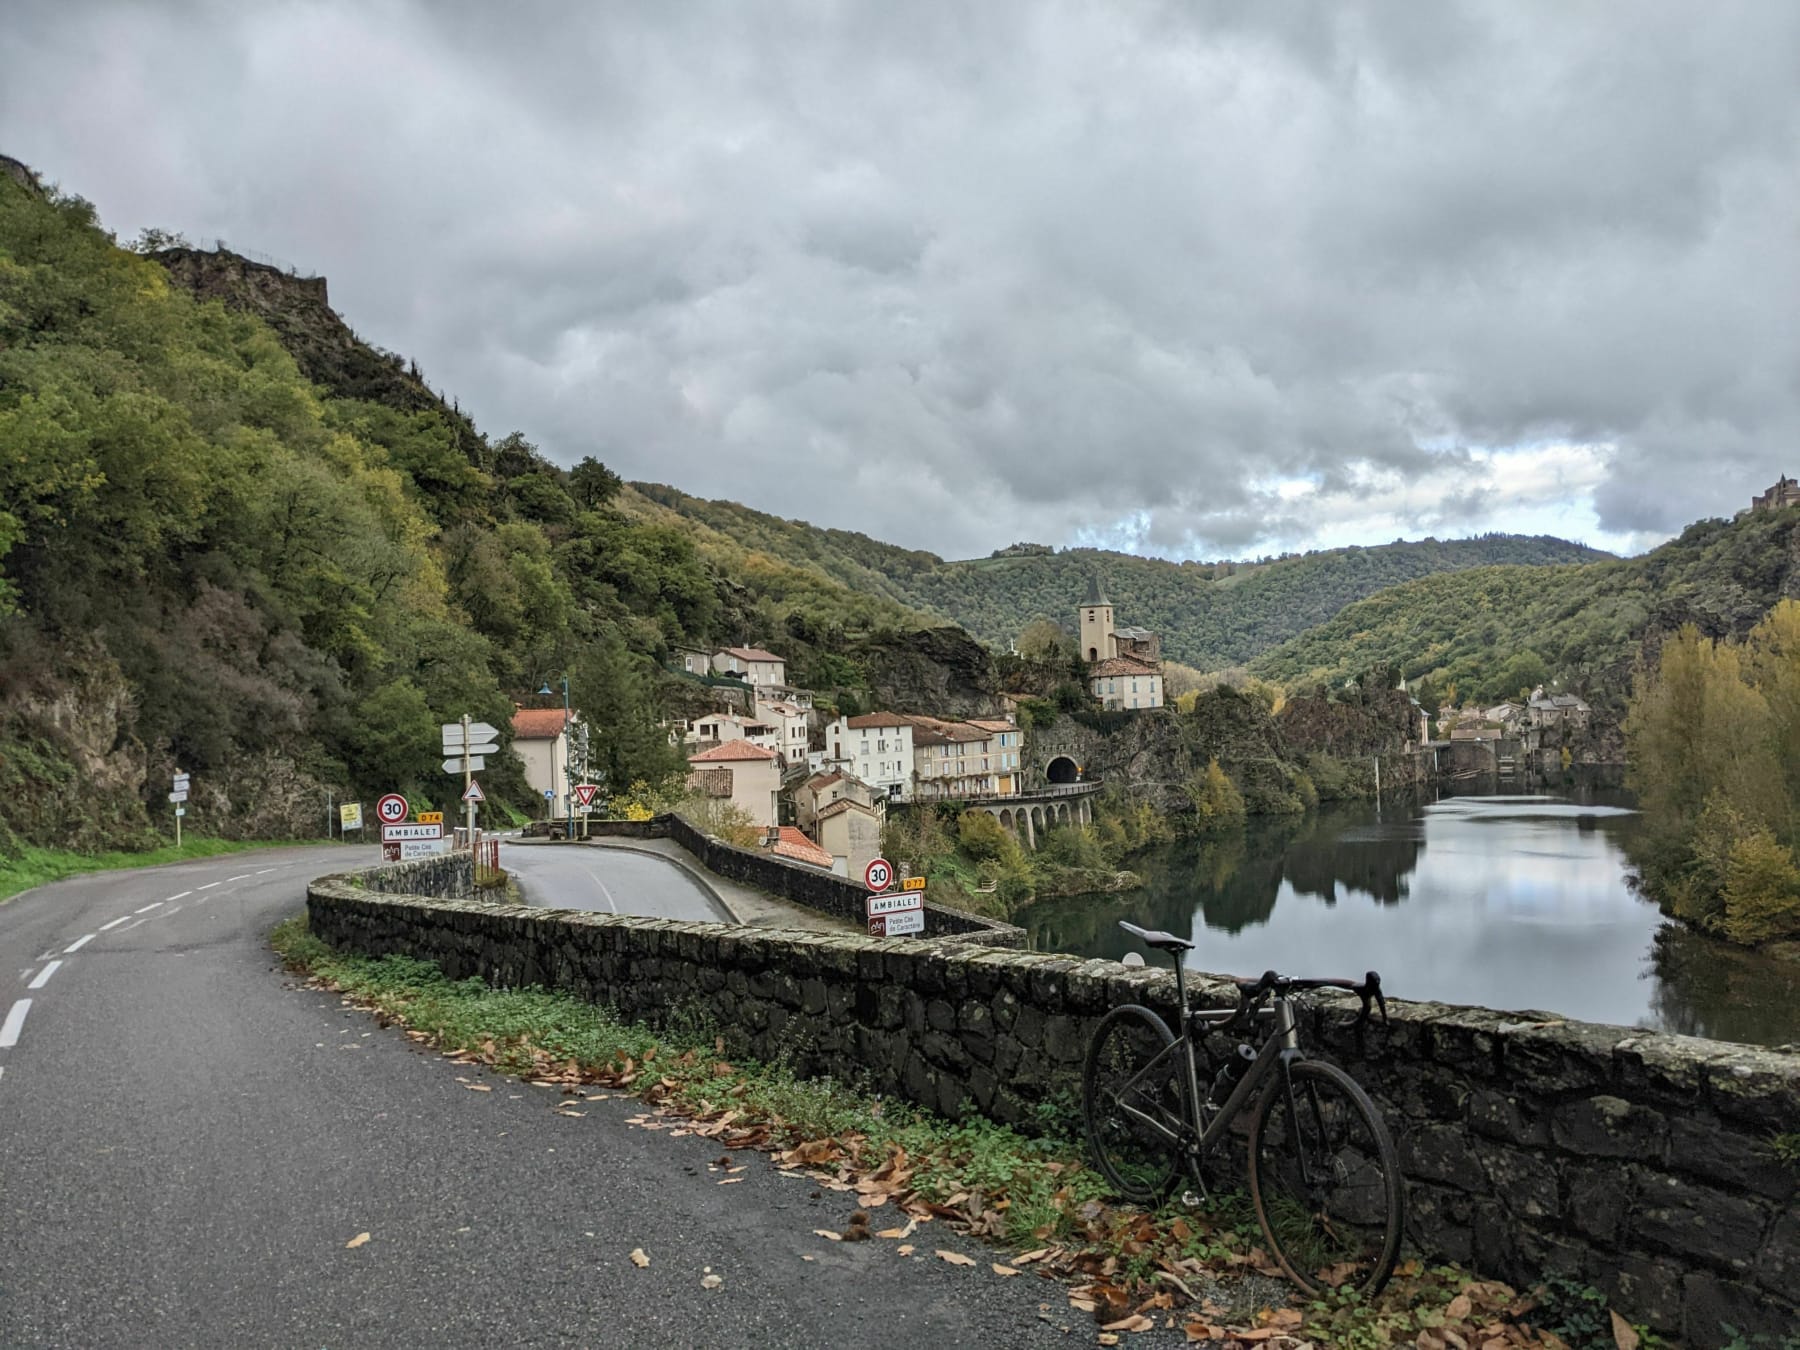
1096	623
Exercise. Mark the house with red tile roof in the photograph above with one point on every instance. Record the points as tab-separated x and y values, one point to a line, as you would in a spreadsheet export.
541	741
746	775
787	842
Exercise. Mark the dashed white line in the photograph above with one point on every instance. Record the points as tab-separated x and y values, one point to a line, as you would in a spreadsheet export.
174	909
209	885
158	904
265	871
44	976
242	876
108	927
78	944
179	894
14	1024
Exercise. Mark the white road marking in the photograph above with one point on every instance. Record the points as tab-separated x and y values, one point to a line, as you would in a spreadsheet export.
158	904
44	976
209	885
15	1023
242	876
108	927
602	885
265	871
78	944
175	910
177	895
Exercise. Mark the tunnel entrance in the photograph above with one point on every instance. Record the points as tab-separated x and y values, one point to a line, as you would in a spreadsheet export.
1062	770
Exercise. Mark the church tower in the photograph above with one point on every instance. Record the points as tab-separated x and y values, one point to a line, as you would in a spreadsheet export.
1096	623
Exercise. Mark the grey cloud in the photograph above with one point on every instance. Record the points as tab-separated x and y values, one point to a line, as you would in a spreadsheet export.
956	275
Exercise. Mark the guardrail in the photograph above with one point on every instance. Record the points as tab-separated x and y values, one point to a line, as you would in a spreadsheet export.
1080	789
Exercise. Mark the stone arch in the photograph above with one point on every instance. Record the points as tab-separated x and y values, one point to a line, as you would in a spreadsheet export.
1062	769
1037	818
1093	653
1006	819
1062	812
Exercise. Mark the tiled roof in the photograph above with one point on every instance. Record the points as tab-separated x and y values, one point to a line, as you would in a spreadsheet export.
1122	665
752	654
820	781
793	844
993	724
538	724
730	751
843	804
881	719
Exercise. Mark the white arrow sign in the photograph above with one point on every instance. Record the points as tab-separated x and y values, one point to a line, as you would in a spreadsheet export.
178	796
476	764
478	731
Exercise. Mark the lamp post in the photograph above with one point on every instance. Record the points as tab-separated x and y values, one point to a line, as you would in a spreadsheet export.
568	796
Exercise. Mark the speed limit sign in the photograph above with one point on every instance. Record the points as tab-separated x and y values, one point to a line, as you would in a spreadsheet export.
879	875
391	809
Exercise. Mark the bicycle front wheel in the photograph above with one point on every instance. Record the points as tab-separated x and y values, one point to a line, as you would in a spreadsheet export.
1325	1180
1134	1104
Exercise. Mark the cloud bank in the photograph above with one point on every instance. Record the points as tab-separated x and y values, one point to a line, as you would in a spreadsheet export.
1193	280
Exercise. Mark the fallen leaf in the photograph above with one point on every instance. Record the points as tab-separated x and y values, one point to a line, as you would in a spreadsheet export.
711	1282
1624	1336
572	1115
999	1269
638	1258
1285	1319
1458	1308
1028	1257
1204	1331
730	1181
478	1087
829	1234
1136	1322
955	1258
906	1249
358	1240
1107	1338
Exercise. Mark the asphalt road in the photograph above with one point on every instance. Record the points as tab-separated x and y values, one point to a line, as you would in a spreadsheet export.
611	881
188	1141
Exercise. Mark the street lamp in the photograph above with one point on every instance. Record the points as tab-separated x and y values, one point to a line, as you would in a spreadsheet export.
568	796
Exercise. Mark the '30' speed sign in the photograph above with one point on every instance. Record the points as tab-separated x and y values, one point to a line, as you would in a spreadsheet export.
391	809
879	875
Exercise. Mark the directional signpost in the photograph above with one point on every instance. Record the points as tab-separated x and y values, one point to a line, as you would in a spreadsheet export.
466	747
178	794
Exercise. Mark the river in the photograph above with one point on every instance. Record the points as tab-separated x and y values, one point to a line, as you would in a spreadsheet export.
1506	902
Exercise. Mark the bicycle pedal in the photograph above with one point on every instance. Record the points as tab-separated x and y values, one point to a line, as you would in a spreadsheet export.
1192	1199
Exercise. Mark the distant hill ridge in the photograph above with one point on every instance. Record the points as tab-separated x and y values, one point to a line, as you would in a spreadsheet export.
1210	615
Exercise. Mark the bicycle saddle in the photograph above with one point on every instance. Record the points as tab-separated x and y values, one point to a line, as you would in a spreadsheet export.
1155	937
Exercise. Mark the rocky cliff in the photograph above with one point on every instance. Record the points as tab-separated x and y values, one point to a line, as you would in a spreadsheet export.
940	671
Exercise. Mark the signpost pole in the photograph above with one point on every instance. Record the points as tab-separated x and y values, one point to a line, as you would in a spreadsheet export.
468	777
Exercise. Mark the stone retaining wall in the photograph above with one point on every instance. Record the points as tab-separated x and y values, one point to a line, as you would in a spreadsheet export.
823	891
1638	1162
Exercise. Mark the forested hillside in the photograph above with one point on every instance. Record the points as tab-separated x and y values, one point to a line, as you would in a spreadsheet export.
1481	634
282	587
1210	615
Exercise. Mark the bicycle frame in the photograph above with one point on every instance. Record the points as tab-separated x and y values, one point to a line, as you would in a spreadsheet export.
1195	1137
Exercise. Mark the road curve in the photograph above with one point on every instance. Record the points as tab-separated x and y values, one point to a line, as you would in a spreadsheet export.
611	881
189	1141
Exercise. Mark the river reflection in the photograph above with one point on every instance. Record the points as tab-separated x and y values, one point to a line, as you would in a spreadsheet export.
1511	902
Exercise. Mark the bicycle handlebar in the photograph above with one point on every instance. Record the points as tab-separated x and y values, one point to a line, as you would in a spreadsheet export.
1253	992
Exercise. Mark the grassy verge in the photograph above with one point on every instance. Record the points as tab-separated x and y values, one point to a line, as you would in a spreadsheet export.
1199	1269
38	866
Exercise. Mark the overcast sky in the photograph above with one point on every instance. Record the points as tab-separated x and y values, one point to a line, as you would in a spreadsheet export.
1194	279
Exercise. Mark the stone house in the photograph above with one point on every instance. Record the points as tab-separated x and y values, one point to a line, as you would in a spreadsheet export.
822	789
758	667
850	831
717	728
784	841
1124	663
746	775
875	747
791	724
1126	682
1785	492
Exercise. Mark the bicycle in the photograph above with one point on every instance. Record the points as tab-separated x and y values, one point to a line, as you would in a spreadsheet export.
1324	1174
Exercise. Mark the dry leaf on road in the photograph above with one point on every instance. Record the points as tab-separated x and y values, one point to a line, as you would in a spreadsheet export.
1624	1335
955	1258
358	1240
1005	1270
711	1282
1136	1322
638	1258
479	1087
828	1234
906	1249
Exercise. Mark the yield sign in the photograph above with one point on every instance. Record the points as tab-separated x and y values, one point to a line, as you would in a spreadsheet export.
474	793
585	793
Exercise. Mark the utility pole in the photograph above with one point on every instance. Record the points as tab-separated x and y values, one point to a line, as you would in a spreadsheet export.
328	813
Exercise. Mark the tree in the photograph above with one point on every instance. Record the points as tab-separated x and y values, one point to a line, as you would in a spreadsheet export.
627	741
1217	802
593	484
1046	643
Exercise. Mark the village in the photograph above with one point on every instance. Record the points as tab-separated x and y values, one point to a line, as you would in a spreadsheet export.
818	789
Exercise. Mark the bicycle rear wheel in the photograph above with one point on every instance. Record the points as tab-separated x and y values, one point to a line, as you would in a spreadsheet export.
1140	1161
1325	1180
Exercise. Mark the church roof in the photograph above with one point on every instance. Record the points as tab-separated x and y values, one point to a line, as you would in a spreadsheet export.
1096	594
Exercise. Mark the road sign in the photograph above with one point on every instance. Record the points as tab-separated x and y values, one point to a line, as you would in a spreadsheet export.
585	793
391	809
878	875
430	817
895	902
178	796
897	925
390	852
181	811
455	765
179	782
478	731
549	794
395	834
423	848
474	793
913	884
350	815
